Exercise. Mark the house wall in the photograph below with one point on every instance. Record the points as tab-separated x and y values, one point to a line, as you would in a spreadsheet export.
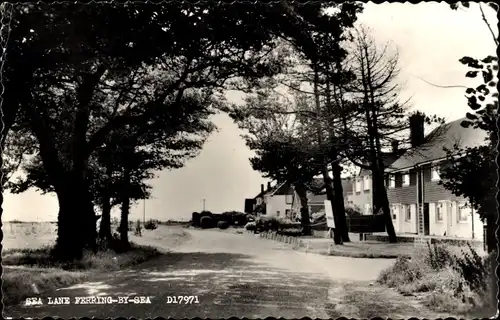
451	224
360	199
277	203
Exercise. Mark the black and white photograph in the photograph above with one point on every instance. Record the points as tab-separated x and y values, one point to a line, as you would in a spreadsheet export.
230	159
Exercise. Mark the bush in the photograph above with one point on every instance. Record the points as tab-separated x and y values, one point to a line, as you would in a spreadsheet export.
195	219
453	282
250	226
223	224
206	222
131	226
151	224
352	212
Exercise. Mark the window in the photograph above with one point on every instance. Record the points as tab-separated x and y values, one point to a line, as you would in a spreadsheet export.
392	181
408	212
406	179
289	199
435	173
287	213
368	208
439	212
366	183
463	213
393	213
259	201
277	213
358	185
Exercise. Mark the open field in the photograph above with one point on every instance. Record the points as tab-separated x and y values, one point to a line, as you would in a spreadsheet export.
28	235
29	271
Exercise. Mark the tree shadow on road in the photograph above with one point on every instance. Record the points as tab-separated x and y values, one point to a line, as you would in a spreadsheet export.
226	285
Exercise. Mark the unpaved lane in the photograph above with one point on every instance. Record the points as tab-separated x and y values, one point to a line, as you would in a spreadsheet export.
237	276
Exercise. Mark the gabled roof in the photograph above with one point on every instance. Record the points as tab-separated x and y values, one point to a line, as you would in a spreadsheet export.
433	149
388	158
282	189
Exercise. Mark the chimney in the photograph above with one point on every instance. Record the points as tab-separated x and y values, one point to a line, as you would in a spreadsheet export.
395	146
269	186
262	188
417	129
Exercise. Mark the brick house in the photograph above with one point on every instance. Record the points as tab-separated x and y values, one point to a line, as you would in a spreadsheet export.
419	205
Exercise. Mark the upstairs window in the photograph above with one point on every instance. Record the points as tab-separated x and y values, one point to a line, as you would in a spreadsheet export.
289	199
435	173
392	181
406	179
358	185
366	183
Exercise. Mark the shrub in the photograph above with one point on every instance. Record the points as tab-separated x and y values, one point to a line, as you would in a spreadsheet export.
454	282
473	268
352	212
206	222
151	224
250	226
195	219
438	256
223	224
131	226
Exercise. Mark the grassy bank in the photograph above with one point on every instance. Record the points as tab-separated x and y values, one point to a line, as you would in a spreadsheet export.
29	272
444	279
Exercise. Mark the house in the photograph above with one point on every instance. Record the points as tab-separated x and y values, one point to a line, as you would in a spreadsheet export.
279	201
419	205
274	201
360	196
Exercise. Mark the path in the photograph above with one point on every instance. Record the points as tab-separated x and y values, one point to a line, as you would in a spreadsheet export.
238	276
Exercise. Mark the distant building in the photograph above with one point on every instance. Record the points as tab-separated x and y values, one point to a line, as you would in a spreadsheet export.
274	201
419	205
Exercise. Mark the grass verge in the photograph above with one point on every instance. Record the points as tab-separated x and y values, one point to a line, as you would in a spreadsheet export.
27	272
445	280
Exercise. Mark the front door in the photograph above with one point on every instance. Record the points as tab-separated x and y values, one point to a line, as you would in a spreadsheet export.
426	219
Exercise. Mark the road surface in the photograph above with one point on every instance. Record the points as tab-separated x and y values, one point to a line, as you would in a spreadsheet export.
234	275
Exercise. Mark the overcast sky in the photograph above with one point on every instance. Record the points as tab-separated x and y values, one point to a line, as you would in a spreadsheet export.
430	38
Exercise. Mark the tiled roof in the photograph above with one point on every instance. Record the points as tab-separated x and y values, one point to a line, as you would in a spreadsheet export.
444	136
284	189
388	158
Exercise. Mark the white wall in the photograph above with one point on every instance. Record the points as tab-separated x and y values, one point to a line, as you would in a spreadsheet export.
438	228
409	226
450	224
275	204
397	210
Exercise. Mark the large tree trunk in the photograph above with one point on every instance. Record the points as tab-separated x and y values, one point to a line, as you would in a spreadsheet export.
339	201
304	210
70	240
105	227
125	209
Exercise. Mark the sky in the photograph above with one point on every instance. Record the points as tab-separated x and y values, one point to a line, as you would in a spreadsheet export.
430	38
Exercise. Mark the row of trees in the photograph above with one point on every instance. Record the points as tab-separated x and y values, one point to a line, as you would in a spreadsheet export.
91	112
335	102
